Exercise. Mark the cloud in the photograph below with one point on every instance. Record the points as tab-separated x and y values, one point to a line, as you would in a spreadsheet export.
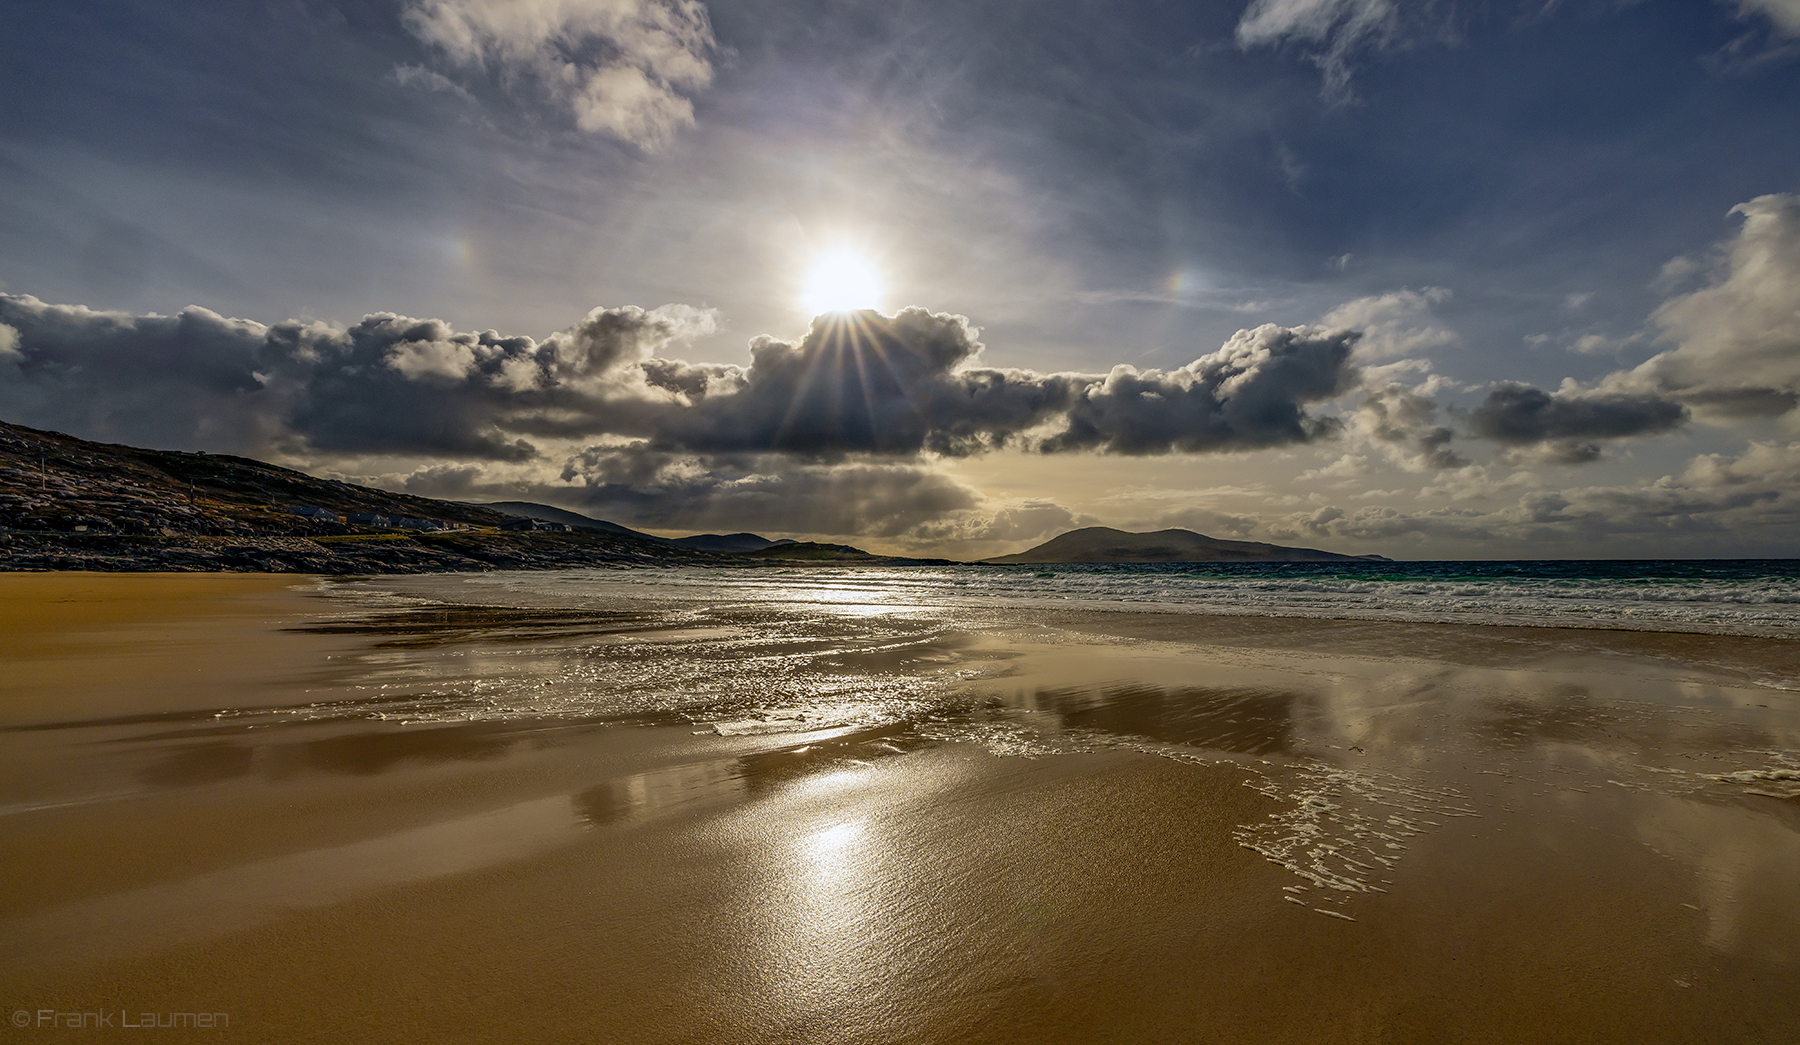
1405	419
1783	15
860	383
863	384
660	490
622	68
1520	415
1737	340
420	78
739	492
912	383
1736	354
1331	32
1749	499
1025	520
387	385
1393	324
1250	394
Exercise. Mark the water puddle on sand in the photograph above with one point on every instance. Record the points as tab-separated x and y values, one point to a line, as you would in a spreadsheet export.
1372	757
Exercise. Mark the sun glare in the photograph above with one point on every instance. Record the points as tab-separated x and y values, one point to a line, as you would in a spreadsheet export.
841	281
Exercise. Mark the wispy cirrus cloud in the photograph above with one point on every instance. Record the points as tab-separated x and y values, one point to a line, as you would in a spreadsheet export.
1330	32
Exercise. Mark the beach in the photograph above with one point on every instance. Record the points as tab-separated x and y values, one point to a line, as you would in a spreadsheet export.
656	806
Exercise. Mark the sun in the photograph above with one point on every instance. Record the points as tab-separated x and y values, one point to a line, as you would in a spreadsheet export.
841	280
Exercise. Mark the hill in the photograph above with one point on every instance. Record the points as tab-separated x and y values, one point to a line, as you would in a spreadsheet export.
736	543
72	504
705	542
1103	544
550	513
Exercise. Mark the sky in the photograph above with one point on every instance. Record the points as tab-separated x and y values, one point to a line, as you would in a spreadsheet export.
1439	279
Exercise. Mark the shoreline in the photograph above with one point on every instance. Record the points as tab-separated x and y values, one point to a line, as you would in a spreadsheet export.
333	810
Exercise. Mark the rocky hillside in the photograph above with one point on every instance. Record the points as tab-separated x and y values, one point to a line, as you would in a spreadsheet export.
70	504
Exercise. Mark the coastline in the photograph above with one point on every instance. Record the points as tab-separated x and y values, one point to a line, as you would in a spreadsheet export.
351	809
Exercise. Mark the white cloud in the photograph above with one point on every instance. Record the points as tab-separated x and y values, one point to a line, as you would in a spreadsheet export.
420	78
1334	29
1783	15
623	68
1737	340
1754	495
1393	324
1600	344
1348	466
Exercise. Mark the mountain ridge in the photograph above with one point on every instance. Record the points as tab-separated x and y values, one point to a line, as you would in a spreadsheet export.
1103	544
731	543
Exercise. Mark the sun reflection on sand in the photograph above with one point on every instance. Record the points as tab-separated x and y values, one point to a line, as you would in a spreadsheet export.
832	845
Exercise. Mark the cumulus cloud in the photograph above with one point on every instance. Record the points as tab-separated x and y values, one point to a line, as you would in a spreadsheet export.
1519	415
1737	340
1749	500
1251	393
862	384
737	492
912	382
386	385
1405	420
731	493
1736	354
622	68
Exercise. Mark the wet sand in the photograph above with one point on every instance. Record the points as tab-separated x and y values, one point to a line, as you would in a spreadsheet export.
397	812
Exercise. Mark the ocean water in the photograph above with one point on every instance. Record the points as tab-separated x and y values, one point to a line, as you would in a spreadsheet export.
1723	597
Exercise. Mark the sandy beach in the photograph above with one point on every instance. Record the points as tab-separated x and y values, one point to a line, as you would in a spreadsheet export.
441	809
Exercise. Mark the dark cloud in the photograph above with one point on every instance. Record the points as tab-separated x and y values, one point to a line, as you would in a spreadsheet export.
1520	415
1252	393
1406	418
663	490
861	384
909	382
387	385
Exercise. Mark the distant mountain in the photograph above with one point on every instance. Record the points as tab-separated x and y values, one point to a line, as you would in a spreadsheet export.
733	543
547	513
810	551
1104	544
729	543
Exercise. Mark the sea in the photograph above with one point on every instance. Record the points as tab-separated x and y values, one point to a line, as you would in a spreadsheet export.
1750	597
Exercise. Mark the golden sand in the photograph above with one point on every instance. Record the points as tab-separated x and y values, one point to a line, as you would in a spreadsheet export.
1114	827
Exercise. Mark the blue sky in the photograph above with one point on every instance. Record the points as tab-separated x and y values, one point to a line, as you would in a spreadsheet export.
1496	198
